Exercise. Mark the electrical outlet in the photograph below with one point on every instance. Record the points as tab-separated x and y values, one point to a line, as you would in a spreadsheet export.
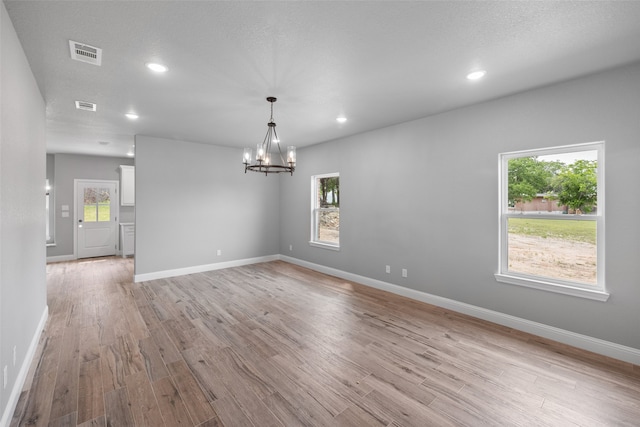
5	376
387	269
14	355
404	272
290	247
219	252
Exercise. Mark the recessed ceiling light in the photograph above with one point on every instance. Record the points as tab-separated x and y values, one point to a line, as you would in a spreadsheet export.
158	68
475	75
131	116
341	119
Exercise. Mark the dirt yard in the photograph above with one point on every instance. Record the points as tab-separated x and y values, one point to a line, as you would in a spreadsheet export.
562	259
557	258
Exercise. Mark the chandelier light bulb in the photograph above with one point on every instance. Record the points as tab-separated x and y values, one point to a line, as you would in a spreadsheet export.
246	156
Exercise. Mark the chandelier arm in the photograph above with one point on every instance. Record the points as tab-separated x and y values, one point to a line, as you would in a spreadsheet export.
275	134
267	140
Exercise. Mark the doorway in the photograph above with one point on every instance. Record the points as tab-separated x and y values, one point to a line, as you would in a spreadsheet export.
96	218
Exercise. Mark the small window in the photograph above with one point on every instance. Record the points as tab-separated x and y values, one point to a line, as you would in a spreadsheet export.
552	219
325	211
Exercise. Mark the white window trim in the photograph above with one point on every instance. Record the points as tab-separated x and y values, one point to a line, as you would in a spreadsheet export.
50	212
314	192
503	275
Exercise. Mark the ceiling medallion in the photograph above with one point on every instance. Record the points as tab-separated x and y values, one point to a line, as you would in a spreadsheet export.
264	160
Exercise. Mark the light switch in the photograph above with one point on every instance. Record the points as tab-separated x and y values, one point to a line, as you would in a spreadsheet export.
65	207
65	214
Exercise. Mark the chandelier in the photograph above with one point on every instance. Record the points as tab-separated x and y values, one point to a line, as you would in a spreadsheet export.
264	160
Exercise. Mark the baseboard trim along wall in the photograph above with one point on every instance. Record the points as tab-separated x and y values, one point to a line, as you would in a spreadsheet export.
202	268
60	258
24	370
595	345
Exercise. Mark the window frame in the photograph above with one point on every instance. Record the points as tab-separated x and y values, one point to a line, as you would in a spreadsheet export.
50	212
315	210
596	292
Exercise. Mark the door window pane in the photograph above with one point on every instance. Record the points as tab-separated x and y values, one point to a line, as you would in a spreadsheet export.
97	204
104	204
90	208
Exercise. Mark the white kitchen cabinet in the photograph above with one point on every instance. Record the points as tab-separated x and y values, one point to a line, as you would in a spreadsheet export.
127	238
127	185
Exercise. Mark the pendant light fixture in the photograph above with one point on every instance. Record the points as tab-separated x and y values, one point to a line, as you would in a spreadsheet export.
264	160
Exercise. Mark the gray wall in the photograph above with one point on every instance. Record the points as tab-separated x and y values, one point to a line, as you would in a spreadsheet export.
23	292
193	199
68	167
406	193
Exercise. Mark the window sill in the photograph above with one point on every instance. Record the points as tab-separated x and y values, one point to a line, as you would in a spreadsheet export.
553	287
325	246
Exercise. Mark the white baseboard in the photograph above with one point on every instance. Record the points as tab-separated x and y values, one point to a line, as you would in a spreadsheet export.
201	268
24	370
61	258
605	348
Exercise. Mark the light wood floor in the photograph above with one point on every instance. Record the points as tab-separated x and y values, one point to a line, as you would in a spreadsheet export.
278	345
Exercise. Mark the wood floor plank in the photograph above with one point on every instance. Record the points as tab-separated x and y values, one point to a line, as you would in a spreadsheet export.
196	402
152	359
89	343
142	400
405	411
355	416
96	422
68	420
90	391
230	413
171	404
285	411
165	346
275	344
65	395
213	422
118	409
38	407
206	374
113	373
243	396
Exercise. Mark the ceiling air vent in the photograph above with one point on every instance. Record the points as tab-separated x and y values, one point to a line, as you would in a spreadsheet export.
85	53
86	106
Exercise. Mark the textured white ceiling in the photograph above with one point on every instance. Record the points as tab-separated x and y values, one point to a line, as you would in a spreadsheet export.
378	63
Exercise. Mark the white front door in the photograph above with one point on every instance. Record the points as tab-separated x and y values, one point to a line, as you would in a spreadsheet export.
96	218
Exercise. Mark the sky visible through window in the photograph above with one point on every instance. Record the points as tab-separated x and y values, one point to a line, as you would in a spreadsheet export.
569	158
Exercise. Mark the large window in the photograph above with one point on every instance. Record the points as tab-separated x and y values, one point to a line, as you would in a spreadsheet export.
552	219
325	211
